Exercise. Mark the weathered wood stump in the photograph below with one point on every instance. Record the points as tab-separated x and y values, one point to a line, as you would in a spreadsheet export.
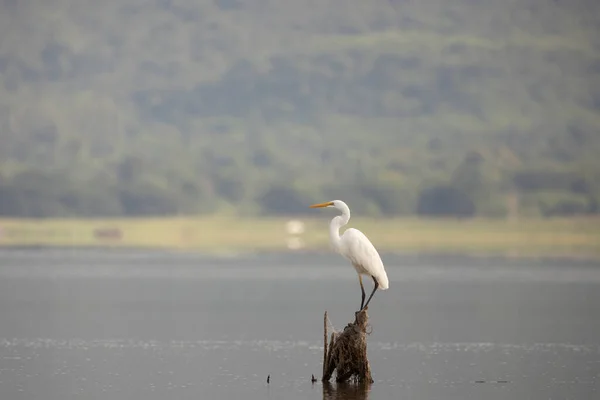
346	354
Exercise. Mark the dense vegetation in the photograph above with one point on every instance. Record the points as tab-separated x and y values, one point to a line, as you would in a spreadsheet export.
434	107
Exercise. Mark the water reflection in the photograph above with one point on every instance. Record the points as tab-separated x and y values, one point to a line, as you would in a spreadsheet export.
346	391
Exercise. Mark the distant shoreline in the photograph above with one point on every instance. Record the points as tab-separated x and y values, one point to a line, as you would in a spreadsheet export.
566	238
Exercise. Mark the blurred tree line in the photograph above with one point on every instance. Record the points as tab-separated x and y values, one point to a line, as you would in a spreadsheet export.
167	107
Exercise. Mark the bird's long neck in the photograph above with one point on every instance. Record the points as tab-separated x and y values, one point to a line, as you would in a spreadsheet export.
334	229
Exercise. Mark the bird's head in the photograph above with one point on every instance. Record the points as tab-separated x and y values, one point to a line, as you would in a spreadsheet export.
340	205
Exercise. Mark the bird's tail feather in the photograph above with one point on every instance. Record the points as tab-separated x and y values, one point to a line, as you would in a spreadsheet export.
383	282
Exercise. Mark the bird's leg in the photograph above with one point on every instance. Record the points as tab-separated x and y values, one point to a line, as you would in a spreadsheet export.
372	293
362	289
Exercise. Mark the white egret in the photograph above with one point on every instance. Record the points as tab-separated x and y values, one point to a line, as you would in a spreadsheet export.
357	248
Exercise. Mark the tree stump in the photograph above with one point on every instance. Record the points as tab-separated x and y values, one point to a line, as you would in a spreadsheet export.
346	354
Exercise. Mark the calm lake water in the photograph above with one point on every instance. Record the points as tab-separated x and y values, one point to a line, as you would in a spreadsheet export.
151	325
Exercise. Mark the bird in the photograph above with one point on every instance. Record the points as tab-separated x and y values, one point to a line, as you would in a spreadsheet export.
356	247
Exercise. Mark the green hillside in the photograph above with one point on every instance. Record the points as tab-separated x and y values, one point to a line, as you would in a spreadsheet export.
166	107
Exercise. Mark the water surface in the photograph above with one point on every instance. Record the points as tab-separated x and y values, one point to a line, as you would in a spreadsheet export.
148	325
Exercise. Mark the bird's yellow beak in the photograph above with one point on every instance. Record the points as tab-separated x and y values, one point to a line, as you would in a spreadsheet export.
327	204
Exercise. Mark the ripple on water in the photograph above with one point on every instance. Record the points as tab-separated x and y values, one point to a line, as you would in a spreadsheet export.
275	345
58	369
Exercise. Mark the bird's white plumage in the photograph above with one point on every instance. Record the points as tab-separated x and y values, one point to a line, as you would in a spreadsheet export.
356	247
359	250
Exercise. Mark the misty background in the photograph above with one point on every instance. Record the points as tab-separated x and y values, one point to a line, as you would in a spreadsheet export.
162	107
222	113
